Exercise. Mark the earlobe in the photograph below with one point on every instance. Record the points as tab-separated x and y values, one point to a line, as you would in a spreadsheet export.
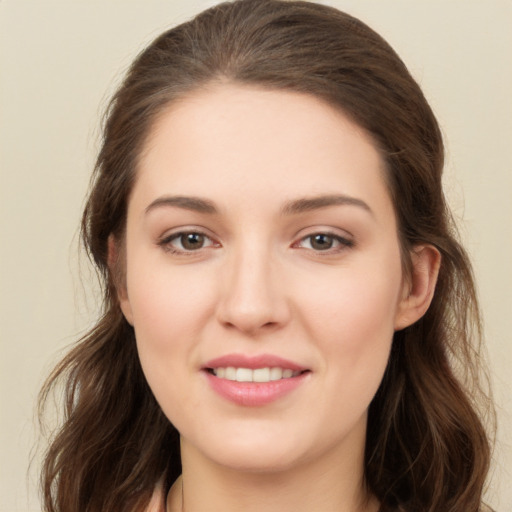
116	266
419	289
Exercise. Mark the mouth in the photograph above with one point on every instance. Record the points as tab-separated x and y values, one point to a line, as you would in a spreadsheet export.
266	374
254	380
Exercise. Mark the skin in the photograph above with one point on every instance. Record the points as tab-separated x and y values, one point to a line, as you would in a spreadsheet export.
259	285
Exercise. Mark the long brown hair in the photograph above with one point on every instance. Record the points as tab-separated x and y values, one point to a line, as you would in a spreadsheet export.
427	449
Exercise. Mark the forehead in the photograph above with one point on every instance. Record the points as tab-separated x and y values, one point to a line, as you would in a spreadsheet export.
243	142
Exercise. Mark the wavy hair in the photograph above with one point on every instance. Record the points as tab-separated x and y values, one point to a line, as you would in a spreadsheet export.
427	449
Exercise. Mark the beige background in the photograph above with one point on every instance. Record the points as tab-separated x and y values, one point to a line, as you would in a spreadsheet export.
59	60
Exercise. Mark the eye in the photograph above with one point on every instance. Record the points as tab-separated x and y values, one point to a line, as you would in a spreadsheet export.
186	242
324	242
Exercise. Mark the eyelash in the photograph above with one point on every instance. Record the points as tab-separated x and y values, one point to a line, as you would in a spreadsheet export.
166	243
343	243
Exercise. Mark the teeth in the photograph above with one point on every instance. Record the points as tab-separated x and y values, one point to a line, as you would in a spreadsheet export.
261	375
243	375
230	373
257	375
276	373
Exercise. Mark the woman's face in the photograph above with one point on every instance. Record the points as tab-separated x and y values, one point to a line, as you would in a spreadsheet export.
262	244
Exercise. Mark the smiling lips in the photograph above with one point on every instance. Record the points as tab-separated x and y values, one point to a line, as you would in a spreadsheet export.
257	375
254	381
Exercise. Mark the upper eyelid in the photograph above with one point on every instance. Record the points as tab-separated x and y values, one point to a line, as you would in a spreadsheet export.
183	230
336	236
324	230
174	236
343	240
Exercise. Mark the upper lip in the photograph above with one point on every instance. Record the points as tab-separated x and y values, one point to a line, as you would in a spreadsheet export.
253	362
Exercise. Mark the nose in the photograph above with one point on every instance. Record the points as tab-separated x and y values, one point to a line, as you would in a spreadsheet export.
253	298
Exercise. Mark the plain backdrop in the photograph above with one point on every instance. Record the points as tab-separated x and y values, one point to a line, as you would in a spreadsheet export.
60	61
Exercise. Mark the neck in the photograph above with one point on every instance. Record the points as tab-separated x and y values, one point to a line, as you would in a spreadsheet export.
313	485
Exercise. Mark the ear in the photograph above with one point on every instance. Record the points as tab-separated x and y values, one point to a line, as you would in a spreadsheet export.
116	266
418	289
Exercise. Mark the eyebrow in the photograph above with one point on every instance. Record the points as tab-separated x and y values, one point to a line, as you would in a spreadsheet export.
196	204
294	207
314	203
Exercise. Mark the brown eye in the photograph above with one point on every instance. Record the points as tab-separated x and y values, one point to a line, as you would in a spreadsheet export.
186	242
192	241
321	242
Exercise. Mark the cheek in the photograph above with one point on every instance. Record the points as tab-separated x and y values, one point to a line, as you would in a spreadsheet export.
355	303
169	310
166	301
352	317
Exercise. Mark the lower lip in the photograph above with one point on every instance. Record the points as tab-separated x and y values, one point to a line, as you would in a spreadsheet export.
254	394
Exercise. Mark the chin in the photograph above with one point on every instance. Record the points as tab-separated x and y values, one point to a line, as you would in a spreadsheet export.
257	461
256	449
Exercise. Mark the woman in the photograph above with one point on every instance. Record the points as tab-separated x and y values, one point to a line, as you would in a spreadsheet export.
289	319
